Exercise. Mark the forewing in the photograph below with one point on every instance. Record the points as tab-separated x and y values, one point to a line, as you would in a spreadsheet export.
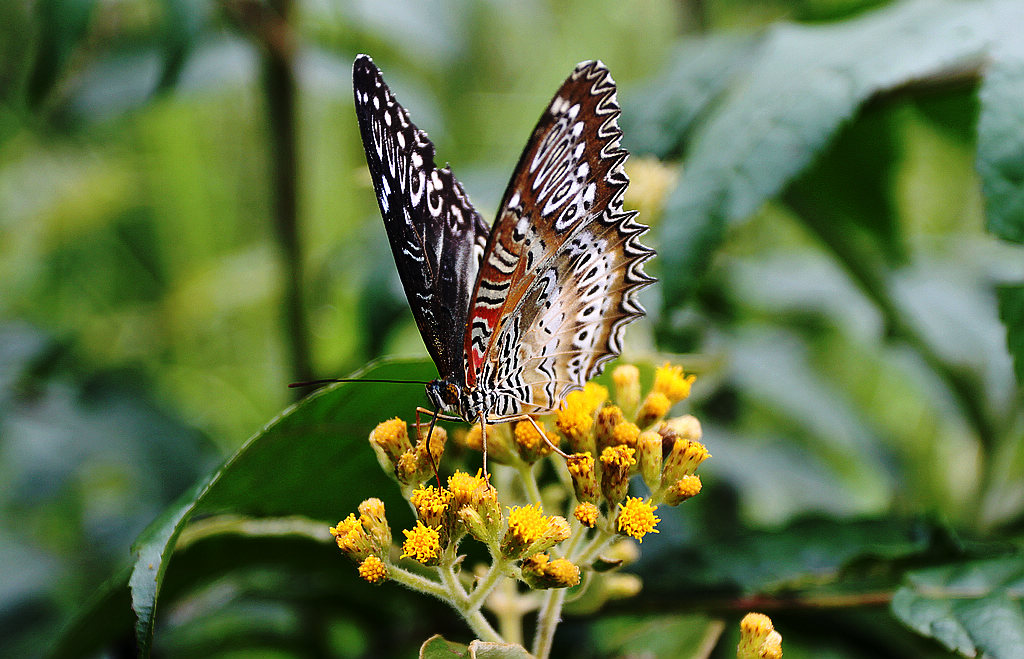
436	236
563	266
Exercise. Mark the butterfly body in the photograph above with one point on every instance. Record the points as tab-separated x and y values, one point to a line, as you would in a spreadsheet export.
517	315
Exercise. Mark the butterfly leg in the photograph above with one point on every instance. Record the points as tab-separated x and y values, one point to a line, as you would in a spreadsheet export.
540	431
434	416
483	440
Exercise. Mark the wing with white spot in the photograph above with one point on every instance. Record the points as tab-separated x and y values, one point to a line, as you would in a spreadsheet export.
436	236
563	265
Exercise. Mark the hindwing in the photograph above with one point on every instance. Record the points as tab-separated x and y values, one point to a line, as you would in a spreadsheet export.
563	265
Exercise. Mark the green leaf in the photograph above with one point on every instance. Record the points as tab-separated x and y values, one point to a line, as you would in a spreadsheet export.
972	607
847	191
1000	139
1011	312
62	25
436	647
310	461
182	24
658	637
807	81
660	115
811	552
106	616
487	650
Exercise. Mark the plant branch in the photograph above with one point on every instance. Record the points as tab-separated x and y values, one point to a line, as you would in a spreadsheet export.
270	26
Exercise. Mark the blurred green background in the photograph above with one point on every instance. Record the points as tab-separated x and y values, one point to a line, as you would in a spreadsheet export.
835	215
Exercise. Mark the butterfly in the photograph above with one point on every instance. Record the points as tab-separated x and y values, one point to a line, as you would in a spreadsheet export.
519	314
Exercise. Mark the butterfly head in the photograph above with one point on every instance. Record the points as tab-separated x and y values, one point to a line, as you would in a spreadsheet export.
445	396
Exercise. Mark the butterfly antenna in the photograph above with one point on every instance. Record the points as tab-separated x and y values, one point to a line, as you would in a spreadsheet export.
313	383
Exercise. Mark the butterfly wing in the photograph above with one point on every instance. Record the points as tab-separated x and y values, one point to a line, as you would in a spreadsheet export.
436	236
563	266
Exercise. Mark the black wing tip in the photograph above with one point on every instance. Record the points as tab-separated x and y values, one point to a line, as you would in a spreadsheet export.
363	69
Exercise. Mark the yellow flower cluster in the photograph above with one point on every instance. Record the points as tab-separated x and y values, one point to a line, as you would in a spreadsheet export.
631	436
611	442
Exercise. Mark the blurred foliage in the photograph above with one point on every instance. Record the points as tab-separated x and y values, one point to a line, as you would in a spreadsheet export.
838	261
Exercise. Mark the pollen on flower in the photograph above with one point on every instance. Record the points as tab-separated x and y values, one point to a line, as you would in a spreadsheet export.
373	570
618	456
563	571
580	464
655	406
758	638
431	503
637	518
587	513
574	422
626	433
687	486
422	543
346	532
392	436
530	443
542	572
594	395
526	523
669	380
464	487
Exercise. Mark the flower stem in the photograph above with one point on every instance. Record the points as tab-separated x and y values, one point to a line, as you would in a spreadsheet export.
486	585
547	620
529	482
415	581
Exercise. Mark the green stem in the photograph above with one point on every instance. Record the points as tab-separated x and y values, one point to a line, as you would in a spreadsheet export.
279	90
547	621
594	547
486	585
414	581
529	482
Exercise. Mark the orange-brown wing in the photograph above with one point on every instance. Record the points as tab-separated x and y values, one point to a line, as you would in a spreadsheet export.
563	265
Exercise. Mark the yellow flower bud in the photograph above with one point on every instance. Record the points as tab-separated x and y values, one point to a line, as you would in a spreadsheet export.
584	479
654	408
540	572
683	489
373	570
627	388
758	638
616	463
649	455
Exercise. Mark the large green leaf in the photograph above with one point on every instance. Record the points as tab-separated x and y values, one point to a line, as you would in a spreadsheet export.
660	115
812	553
659	637
1000	139
437	647
972	607
779	116
62	26
310	461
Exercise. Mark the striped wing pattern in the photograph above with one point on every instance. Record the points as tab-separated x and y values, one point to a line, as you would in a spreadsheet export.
436	236
563	266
